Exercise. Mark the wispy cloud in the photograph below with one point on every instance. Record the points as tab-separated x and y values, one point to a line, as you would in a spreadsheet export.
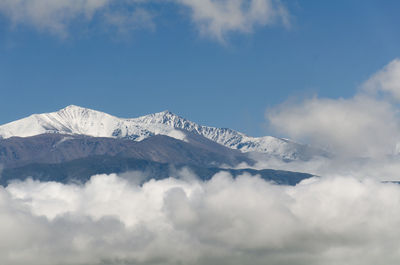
217	18
214	18
49	15
125	22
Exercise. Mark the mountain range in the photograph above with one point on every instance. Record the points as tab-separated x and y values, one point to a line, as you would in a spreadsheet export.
74	120
34	146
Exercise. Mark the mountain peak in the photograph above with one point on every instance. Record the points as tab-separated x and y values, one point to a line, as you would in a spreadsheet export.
76	109
79	118
163	117
73	107
165	113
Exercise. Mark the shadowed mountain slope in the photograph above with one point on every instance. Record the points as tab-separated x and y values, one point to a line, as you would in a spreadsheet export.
56	148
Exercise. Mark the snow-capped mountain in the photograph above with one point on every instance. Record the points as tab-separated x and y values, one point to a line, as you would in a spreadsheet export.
82	121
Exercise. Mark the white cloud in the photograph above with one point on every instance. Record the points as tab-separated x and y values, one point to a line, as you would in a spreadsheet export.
365	125
110	220
215	18
359	126
386	81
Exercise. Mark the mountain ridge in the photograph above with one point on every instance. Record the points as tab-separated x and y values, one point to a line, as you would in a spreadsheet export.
77	120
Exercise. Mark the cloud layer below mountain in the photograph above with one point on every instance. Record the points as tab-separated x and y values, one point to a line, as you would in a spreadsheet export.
112	220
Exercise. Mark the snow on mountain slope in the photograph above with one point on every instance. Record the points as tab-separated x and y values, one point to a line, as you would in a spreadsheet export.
78	120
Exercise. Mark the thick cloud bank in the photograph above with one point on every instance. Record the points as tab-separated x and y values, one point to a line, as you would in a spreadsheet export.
111	220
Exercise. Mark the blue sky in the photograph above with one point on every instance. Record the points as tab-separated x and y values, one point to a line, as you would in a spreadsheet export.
134	59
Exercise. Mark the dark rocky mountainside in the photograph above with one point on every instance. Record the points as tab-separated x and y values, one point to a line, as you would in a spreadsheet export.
56	148
75	158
